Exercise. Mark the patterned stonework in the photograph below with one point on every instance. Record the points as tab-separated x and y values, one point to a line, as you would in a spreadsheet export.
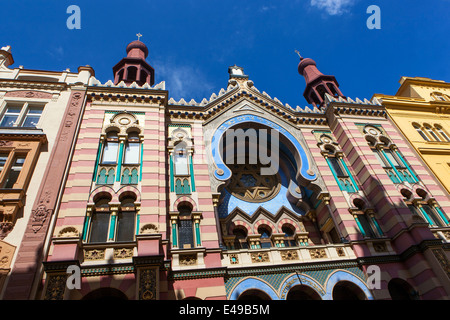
380	246
442	258
340	252
123	253
289	255
188	259
317	253
234	258
94	254
55	287
260	257
147	284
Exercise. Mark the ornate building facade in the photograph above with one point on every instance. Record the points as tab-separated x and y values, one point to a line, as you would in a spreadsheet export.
421	109
239	196
33	111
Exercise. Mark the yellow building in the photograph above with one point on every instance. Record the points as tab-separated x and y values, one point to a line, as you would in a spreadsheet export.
421	110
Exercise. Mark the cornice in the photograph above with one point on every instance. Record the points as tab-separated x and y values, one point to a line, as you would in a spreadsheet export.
28	84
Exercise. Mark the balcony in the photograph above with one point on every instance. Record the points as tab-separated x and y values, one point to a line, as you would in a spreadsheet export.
288	255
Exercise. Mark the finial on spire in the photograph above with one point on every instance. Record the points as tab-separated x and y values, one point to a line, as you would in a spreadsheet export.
139	35
296	51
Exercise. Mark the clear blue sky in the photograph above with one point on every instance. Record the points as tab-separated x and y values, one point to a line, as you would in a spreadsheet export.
192	42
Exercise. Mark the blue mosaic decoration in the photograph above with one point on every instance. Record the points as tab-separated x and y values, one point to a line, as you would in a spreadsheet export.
224	173
230	202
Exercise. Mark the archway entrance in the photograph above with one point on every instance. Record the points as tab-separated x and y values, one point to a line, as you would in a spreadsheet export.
254	295
302	292
346	290
399	289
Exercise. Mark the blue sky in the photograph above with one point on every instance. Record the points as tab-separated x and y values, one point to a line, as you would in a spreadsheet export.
192	42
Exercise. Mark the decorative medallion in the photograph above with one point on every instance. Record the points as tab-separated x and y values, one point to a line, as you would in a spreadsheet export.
123	253
94	254
247	184
317	253
380	246
289	255
260	257
234	258
340	252
188	259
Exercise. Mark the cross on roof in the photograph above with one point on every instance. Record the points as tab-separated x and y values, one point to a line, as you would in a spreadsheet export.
138	35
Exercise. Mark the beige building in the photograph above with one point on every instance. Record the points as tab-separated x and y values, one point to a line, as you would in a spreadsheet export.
32	106
421	110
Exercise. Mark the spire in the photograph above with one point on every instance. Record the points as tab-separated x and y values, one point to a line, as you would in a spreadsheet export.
317	84
133	67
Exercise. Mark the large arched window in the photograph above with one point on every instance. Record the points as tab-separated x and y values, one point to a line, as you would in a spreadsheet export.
126	220
100	220
346	290
399	289
111	148
392	162
338	167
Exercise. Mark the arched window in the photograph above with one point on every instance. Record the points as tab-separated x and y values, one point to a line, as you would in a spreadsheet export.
143	76
100	221
181	161
132	149
339	170
442	132
185	227
321	91
265	233
437	96
393	163
240	240
132	73
366	221
431	132
120	75
429	210
289	235
420	132
111	148
126	220
332	89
